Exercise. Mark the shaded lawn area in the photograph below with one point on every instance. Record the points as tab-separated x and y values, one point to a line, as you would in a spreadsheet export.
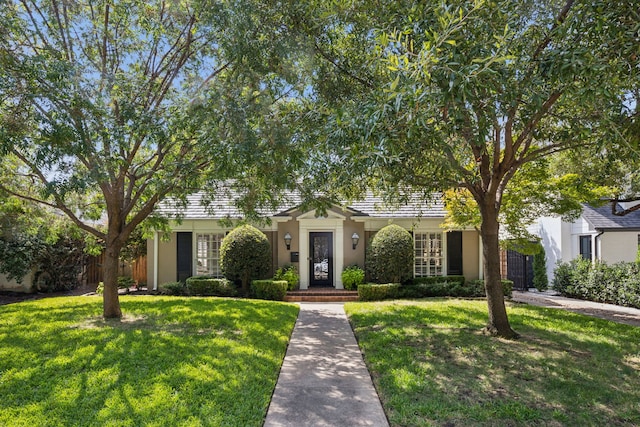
169	361
432	365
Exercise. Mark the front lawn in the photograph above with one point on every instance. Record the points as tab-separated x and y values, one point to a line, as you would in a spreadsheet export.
432	366
169	361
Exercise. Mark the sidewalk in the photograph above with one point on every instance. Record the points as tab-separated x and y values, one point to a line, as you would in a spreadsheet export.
616	313
323	380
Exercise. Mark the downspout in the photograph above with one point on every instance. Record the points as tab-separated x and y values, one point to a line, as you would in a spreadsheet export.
596	245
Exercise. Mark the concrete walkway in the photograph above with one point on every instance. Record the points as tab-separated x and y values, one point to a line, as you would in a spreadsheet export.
627	315
323	380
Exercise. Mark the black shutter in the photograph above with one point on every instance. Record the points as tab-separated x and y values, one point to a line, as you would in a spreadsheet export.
454	253
184	256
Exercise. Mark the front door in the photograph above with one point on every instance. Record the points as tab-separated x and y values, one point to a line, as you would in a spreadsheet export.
321	260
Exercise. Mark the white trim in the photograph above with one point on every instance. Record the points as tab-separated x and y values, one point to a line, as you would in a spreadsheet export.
334	225
314	214
443	248
155	261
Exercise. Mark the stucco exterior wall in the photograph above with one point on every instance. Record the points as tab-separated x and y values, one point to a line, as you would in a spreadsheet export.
284	255
25	285
470	255
167	266
167	255
353	256
617	246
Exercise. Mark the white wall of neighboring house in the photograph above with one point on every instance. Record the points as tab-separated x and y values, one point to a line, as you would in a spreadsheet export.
561	242
24	286
555	236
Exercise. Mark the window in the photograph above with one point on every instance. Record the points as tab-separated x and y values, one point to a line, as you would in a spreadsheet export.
585	247
428	254
208	254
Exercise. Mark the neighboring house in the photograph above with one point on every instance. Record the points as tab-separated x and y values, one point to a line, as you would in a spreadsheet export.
25	285
319	246
596	235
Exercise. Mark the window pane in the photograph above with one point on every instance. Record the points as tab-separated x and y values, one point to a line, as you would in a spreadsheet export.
585	247
428	254
208	254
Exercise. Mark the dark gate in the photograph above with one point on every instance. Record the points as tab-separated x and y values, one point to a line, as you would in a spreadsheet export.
520	270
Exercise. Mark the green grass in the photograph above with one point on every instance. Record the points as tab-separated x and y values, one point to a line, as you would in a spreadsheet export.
168	362
432	365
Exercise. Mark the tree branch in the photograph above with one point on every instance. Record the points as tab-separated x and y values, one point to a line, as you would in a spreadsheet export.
326	56
558	21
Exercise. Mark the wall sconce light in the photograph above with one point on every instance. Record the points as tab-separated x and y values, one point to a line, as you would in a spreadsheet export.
287	240
355	238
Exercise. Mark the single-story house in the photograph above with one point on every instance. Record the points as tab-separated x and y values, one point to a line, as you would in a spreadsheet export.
597	234
319	245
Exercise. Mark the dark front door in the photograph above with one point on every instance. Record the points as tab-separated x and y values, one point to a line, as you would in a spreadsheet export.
321	262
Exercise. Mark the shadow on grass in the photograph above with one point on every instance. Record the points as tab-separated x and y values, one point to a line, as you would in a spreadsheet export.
432	365
168	361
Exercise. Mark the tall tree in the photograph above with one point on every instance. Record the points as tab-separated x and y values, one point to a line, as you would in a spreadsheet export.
466	95
110	106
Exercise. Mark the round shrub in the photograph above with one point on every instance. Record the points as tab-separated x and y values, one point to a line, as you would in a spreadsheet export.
245	254
390	257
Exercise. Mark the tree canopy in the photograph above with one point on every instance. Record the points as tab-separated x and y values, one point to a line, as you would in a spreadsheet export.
473	96
107	108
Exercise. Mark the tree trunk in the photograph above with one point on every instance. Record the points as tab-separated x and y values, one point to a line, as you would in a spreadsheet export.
111	302
498	323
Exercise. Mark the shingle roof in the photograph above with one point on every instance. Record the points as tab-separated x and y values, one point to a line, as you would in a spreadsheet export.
601	218
223	206
415	207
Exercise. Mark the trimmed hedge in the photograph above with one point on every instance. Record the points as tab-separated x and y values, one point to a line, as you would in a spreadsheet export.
273	290
443	289
507	287
617	283
209	286
172	288
375	292
460	280
428	287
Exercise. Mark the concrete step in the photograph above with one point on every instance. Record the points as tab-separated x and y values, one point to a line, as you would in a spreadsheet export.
320	298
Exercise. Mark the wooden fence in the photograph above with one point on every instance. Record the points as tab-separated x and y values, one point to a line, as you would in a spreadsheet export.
139	270
136	270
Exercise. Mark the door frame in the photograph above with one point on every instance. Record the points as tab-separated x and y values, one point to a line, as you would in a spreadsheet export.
330	259
309	223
